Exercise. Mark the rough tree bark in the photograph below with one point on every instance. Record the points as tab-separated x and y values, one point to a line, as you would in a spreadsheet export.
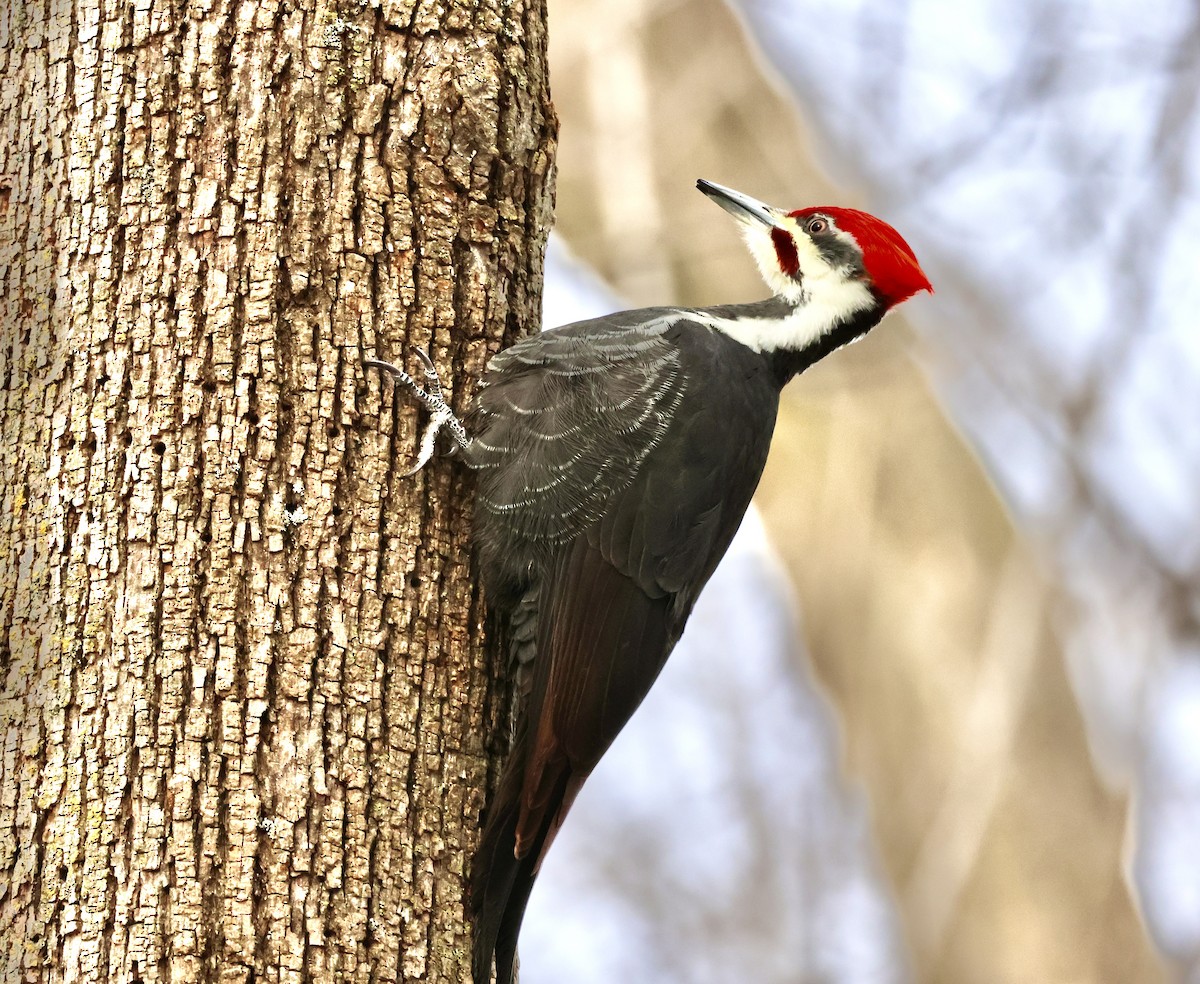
244	705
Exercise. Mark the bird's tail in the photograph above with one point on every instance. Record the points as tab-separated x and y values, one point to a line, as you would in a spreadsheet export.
501	881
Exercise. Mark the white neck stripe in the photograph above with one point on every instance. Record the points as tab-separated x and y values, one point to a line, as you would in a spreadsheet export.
805	324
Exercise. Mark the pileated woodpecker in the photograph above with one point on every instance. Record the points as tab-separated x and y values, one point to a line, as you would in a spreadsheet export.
616	458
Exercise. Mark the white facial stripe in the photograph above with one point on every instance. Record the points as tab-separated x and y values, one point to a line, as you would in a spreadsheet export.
823	294
762	248
830	301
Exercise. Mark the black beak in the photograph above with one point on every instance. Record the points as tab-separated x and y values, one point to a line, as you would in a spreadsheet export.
740	206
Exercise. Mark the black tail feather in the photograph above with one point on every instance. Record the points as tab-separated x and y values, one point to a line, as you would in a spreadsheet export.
510	925
600	641
493	877
501	882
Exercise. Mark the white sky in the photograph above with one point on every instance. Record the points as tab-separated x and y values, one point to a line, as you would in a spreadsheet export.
1044	160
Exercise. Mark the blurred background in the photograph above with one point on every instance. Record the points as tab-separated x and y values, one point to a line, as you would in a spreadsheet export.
937	718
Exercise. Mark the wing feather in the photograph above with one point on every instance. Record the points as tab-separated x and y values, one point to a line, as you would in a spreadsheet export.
596	662
595	536
563	422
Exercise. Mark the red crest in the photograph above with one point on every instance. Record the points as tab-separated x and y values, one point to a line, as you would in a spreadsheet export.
891	264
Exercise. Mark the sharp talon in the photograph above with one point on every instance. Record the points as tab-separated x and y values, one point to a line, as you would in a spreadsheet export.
410	472
387	367
431	373
424	357
432	399
422	459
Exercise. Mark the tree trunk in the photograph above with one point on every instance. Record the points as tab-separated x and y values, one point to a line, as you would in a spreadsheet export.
245	704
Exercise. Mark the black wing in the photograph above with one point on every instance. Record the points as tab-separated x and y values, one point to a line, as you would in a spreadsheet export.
562	423
611	531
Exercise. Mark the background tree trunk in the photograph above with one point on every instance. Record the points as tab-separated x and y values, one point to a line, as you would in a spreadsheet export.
245	703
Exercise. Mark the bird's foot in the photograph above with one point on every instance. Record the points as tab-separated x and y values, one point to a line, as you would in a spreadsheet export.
430	395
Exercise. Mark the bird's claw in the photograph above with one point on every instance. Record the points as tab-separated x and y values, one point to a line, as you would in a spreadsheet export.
432	398
431	371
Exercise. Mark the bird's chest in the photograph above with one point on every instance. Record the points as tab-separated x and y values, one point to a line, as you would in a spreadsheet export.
722	427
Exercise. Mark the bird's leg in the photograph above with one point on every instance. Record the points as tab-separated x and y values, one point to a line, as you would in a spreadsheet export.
430	395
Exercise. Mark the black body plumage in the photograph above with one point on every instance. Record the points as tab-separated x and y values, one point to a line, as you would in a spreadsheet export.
616	459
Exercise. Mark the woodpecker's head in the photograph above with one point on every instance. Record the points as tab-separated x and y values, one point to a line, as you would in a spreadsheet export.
836	262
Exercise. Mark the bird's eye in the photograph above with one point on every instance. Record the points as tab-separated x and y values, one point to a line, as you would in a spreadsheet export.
816	225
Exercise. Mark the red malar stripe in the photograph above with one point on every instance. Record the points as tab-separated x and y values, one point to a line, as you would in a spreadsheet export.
785	251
